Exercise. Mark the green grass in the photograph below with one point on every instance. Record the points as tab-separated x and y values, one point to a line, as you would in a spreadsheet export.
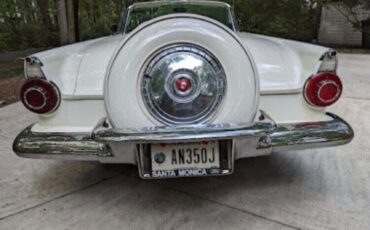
11	70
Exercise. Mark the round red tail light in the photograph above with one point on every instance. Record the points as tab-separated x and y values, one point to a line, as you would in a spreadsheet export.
323	89
40	96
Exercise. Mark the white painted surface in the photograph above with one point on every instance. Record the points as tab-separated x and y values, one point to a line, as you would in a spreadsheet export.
292	108
61	65
83	115
122	91
94	65
79	70
283	65
73	116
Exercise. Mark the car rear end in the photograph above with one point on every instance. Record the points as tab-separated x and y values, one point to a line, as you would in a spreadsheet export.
181	96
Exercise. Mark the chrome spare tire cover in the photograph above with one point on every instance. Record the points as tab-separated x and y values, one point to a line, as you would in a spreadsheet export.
181	70
183	84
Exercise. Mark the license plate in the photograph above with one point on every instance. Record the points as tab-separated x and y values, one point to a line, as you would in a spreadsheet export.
190	159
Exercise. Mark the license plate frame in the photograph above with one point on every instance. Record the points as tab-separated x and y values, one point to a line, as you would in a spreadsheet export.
226	167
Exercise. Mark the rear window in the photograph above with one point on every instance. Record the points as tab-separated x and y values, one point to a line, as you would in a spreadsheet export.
138	15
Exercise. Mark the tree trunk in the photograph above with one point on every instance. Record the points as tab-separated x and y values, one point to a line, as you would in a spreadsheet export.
71	22
62	21
76	19
110	12
44	9
317	14
73	26
27	11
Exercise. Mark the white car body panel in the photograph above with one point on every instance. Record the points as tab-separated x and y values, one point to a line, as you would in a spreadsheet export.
281	66
79	69
73	116
86	113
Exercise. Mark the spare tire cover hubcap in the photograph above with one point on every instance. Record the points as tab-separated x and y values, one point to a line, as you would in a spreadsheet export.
183	84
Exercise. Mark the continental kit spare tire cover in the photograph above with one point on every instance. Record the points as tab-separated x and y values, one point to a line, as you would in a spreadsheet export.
181	69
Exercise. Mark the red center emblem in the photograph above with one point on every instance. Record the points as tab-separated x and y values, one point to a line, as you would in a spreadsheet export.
183	85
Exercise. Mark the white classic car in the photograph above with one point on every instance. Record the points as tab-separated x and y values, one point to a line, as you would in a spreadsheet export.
180	92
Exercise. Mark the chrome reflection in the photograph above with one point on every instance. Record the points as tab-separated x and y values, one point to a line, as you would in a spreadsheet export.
120	146
183	84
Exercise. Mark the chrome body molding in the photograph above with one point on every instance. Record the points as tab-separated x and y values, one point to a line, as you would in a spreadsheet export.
123	146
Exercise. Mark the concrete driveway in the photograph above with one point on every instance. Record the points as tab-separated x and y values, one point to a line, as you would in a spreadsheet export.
312	189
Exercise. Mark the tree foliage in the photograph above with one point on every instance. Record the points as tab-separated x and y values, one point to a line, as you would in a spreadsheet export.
296	19
35	23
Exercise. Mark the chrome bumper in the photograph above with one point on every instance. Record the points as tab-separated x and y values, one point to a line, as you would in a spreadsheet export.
122	146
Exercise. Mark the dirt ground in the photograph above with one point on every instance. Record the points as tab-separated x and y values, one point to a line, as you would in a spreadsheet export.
9	90
11	77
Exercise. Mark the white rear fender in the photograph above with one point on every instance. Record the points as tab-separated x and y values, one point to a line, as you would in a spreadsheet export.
283	65
79	69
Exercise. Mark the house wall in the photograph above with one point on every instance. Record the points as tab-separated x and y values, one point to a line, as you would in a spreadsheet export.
335	29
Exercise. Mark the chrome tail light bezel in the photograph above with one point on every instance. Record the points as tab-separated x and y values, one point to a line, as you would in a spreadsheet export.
314	85
49	92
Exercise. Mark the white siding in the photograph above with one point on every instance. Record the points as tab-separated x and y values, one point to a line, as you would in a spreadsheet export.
336	30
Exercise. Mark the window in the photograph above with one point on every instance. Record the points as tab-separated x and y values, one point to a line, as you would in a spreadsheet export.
140	13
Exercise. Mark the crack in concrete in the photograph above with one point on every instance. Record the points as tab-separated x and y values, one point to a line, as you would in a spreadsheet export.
358	98
151	182
227	206
217	203
57	198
